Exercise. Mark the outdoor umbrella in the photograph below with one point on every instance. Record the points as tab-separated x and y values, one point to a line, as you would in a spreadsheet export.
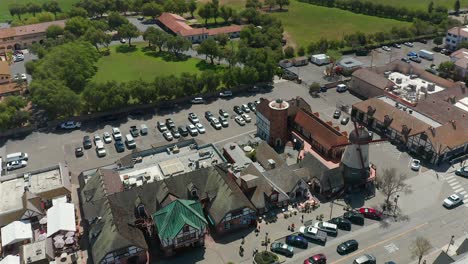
59	243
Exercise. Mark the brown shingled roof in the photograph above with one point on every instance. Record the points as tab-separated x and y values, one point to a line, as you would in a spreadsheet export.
399	118
450	135
8	88
373	78
321	131
4	68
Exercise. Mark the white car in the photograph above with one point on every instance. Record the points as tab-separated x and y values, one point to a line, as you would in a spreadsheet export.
201	129
247	118
415	164
386	48
215	123
70	125
107	138
193	118
192	130
245	108
168	135
116	133
123	41
240	120
97	139
452	201
100	150
24	77
409	44
16	164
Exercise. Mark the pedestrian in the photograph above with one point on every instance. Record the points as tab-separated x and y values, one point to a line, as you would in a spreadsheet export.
302	218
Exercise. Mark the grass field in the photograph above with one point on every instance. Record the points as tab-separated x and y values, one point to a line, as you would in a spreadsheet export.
421	4
126	66
305	23
5	14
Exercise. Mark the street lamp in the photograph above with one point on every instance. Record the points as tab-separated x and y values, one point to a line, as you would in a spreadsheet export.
266	241
451	242
396	203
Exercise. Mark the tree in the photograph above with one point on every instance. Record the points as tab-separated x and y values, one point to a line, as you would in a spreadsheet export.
151	9
170	6
115	20
52	6
54	97
282	3
215	9
77	25
391	183
122	5
211	80
33	8
270	3
430	7
420	247
192	6
77	11
180	7
301	51
446	69
97	37
54	31
438	41
289	52
456	7
159	38
128	31
253	4
222	39
17	9
225	12
210	49
314	88
178	44
144	92
205	12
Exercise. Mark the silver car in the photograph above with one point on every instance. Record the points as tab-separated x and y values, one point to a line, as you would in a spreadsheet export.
453	201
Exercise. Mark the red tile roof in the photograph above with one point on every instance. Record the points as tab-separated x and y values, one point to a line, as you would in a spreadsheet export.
29	29
4	68
225	30
319	130
459	31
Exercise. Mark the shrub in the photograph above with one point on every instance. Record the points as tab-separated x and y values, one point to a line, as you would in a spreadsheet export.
266	257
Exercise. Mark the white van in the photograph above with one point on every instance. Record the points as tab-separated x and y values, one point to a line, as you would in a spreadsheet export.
101	151
143	129
16	156
130	141
341	88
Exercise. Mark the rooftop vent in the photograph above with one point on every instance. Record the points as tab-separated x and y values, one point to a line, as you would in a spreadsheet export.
271	163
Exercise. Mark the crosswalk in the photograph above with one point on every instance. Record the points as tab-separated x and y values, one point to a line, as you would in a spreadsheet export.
452	180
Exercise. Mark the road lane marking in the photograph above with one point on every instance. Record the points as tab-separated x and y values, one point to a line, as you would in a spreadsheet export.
391	248
459	190
450	177
380	243
455	185
463	193
451	180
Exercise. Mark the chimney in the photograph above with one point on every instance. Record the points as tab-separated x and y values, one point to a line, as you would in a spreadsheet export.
454	124
432	130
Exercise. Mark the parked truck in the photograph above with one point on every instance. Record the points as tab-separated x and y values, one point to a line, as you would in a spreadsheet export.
313	234
320	59
426	54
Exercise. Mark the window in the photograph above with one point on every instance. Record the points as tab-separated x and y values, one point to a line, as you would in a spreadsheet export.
186	228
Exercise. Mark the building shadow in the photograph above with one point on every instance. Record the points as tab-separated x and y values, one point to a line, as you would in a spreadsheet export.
233	235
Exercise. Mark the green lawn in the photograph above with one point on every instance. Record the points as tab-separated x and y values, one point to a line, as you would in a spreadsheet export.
305	23
126	66
421	4
5	14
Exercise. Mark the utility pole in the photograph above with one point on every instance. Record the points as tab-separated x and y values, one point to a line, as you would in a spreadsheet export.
331	208
396	204
451	242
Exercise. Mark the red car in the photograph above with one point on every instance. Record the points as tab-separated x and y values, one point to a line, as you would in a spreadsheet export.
370	213
316	259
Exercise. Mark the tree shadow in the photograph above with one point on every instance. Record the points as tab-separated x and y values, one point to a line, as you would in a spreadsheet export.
203	66
126	49
166	56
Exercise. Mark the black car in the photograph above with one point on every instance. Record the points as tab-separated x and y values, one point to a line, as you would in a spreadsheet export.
208	115
170	124
355	217
347	247
238	110
297	241
134	131
345	120
337	114
87	144
119	146
341	223
252	107
183	131
79	152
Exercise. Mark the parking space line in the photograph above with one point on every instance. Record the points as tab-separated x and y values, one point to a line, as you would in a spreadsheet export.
459	190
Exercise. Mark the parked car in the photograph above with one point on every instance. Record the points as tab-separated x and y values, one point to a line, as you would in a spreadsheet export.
192	130
175	133
341	223
347	247
143	129
23	77
463	171
252	107
97	139
409	44
329	228
201	129
313	234
107	137
396	45
341	88
247	118
183	131
193	118
79	152
70	125
161	126
100	150
198	100
370	213
245	108
215	123
87	144
282	249
386	48
223	113
238	110
354	217
168	135
415	59
415	164
170	124
116	133
208	115
297	241
134	131
225	94
119	145
365	259
224	122
337	114
240	120
405	60
412	54
130	141
345	120
316	259
123	41
16	164
452	201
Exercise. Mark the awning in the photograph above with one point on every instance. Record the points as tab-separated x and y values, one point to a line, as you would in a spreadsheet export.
16	232
61	217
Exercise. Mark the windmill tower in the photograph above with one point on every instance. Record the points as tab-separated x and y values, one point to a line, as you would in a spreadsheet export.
355	159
